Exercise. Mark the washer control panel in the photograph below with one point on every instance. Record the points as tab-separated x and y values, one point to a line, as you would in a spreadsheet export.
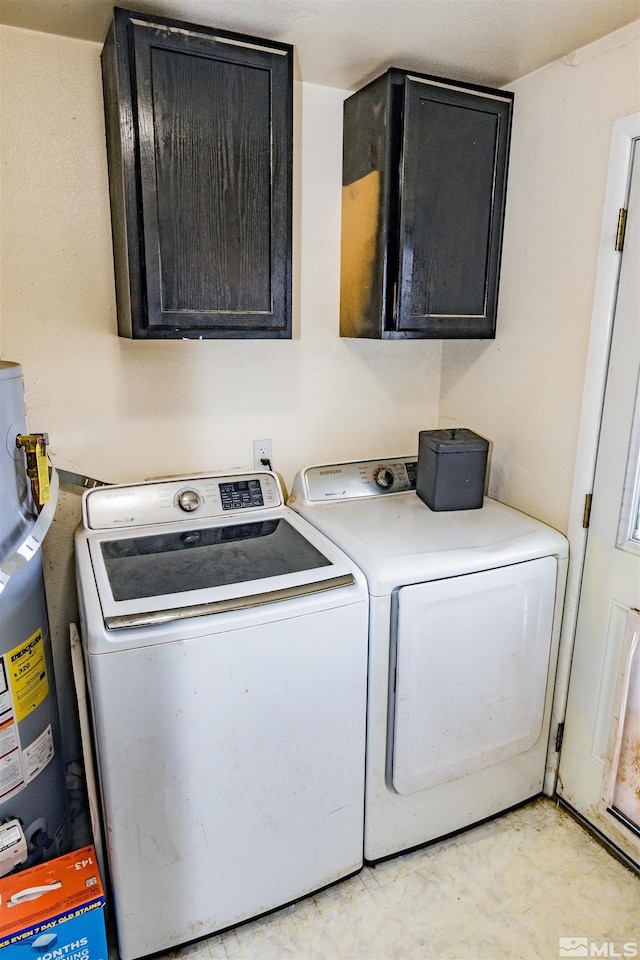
164	501
358	478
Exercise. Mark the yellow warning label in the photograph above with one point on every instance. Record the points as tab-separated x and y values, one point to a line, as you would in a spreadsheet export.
28	675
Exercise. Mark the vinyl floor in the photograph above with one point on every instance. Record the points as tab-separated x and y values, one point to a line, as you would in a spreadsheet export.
530	884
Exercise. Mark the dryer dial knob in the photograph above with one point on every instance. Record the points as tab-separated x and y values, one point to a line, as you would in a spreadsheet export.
189	500
384	478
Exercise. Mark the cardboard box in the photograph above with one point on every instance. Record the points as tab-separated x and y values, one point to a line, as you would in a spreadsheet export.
54	910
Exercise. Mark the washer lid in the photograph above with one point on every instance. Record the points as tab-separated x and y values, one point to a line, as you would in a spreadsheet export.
159	574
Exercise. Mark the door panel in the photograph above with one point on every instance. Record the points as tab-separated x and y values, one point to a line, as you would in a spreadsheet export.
622	775
472	657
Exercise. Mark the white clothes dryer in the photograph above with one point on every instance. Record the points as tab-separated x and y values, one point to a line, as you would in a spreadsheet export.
225	640
464	624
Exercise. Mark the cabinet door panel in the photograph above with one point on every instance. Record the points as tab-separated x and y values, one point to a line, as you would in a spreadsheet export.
452	191
213	193
210	216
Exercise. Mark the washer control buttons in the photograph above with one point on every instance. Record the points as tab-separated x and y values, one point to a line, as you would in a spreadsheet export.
188	500
241	494
384	478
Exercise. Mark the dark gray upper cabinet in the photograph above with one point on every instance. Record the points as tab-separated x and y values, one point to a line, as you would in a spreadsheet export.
424	180
199	143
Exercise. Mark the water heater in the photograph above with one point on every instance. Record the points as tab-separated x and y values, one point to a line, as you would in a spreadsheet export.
34	821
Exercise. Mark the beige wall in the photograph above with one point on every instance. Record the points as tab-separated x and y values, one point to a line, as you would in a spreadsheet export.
523	391
123	410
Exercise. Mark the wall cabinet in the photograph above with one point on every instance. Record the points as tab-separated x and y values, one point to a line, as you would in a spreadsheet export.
199	143
424	180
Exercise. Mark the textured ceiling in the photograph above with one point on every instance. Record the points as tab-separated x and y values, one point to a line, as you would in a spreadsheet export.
343	43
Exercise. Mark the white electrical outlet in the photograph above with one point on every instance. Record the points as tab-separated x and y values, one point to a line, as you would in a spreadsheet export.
261	452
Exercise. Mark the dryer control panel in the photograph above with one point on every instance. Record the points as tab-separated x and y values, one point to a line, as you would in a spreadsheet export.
356	478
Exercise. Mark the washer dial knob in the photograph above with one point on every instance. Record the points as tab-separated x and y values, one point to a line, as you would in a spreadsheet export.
384	478
188	500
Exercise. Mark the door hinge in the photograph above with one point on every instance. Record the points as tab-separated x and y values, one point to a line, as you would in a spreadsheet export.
622	223
559	736
586	516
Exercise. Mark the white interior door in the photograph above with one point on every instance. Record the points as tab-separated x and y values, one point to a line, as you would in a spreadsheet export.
599	772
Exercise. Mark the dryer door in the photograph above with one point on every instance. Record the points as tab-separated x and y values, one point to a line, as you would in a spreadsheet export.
472	659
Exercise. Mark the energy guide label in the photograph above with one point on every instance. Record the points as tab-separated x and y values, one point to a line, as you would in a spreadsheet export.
27	670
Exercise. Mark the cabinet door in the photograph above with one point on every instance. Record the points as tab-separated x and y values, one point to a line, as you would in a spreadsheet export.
208	149
452	186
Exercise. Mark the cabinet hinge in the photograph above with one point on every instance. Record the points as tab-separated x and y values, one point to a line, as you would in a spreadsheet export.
559	736
586	516
622	223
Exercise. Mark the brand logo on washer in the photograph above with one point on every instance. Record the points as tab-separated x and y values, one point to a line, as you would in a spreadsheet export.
325	473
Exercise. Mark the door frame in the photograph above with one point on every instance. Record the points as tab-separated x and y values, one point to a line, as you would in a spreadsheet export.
624	132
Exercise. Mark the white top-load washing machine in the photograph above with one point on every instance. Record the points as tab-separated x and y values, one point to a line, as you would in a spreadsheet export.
226	646
465	610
